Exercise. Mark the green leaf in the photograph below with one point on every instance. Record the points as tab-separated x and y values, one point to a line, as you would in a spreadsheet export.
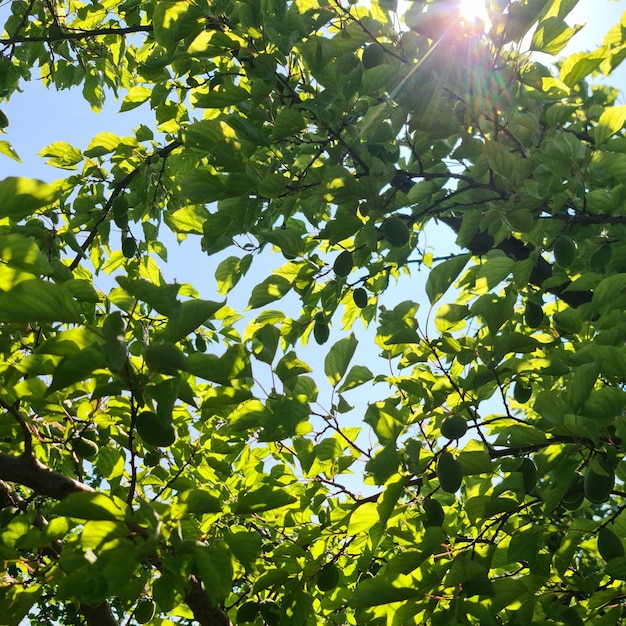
17	600
245	545
552	35
161	298
611	121
581	384
7	149
135	97
443	275
175	20
189	316
578	66
38	301
20	197
91	506
220	97
230	271
101	144
338	358
363	518
271	186
358	375
200	501
288	122
76	368
271	289
62	154
377	591
265	498
215	566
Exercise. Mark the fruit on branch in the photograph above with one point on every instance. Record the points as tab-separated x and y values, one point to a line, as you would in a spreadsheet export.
328	577
564	250
600	257
84	448
522	392
154	430
449	472
396	232
359	296
435	515
129	247
373	56
599	480
454	427
609	544
343	264
247	612
144	611
529	474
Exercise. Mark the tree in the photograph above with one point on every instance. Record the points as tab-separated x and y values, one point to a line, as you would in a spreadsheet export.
168	458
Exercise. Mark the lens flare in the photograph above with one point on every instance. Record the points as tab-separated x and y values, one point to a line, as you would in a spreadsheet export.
475	12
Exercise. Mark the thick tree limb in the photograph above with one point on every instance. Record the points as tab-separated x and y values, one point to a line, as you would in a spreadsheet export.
29	472
203	611
100	615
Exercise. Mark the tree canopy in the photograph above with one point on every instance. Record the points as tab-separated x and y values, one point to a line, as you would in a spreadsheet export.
168	457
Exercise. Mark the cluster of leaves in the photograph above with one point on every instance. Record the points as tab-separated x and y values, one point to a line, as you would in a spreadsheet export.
165	459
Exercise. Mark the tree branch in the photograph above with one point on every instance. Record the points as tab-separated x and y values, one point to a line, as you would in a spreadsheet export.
100	615
203	611
31	473
76	35
117	189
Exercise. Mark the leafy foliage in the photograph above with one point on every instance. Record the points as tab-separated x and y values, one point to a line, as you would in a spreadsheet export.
166	458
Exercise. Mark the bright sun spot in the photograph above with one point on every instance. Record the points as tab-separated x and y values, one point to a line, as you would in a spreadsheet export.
473	11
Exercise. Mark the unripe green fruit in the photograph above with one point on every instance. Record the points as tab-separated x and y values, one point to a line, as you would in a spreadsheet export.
529	475
435	515
144	611
599	481
522	393
453	427
396	232
129	247
564	250
343	264
373	56
84	448
247	612
321	332
533	315
200	343
270	611
359	296
121	221
449	473
154	430
600	257
609	544
575	494
328	577
119	206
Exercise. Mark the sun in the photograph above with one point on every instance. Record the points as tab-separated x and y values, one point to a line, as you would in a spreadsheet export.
474	11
